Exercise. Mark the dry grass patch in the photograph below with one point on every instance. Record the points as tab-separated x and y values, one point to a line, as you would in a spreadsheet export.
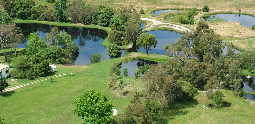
232	29
241	44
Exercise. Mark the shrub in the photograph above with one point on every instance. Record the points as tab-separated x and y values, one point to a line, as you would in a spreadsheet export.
137	73
144	68
217	99
2	121
253	27
142	11
183	19
189	91
118	71
206	8
95	58
94	107
125	72
3	85
114	51
50	1
209	94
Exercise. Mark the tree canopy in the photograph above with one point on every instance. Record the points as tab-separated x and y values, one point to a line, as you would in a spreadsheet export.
146	40
94	107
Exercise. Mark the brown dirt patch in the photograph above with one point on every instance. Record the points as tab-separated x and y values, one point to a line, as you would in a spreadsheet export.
232	29
241	44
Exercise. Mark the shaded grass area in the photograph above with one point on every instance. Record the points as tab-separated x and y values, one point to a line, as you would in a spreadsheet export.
10	54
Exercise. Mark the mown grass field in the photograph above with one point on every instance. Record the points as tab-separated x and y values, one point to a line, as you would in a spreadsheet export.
52	102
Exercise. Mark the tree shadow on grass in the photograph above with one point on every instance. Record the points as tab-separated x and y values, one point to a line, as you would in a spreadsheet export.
7	94
178	108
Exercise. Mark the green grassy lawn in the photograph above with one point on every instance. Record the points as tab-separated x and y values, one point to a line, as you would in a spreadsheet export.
52	102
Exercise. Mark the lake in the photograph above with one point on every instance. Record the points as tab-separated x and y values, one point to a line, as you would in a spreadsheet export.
88	40
245	20
157	12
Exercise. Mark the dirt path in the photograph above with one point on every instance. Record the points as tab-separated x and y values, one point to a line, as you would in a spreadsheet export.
167	25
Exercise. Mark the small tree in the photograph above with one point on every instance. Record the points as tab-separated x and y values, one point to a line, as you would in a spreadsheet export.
125	72
118	71
137	73
142	11
114	51
217	99
60	9
95	58
253	27
147	40
206	8
94	107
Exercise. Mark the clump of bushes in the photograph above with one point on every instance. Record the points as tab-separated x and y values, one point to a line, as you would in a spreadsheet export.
206	8
95	58
253	27
217	99
142	11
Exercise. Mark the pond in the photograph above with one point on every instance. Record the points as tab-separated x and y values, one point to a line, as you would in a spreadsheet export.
134	64
249	85
88	40
157	12
163	37
225	49
245	20
142	25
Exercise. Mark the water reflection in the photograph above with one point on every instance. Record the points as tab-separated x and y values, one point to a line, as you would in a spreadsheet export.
132	65
245	20
163	37
249	85
88	40
157	12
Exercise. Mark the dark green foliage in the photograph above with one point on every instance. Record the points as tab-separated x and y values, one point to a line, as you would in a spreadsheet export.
241	93
191	15
142	11
3	85
89	15
4	18
114	51
217	99
117	24
206	41
74	11
49	15
118	72
94	107
40	65
38	11
114	36
144	68
253	27
135	113
50	1
9	7
125	72
137	73
104	15
2	121
23	68
189	91
146	40
35	45
184	19
95	58
206	8
60	9
23	8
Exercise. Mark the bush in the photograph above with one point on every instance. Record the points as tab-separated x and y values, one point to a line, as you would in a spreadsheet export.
217	99
50	1
206	8
94	107
183	19
114	51
189	91
142	11
125	72
2	121
118	71
253	27
95	58
137	73
144	68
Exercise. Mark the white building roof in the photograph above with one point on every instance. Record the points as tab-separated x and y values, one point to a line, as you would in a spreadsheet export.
2	66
